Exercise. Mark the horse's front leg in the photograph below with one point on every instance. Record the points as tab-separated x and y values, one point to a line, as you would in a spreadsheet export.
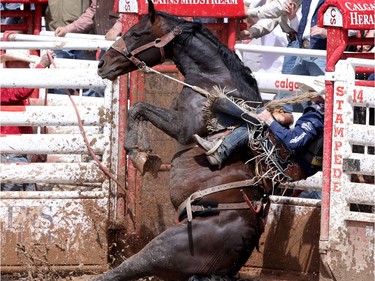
137	143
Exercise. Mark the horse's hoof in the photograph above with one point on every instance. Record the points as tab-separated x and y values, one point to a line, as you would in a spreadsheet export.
139	161
145	162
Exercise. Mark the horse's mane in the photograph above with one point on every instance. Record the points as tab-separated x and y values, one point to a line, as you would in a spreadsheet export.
241	74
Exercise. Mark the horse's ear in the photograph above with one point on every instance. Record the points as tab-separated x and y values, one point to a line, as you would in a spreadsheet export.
151	10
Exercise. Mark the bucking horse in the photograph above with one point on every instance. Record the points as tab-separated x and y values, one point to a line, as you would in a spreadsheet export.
220	210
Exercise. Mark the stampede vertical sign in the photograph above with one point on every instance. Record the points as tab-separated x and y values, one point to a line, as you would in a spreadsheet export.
338	137
197	8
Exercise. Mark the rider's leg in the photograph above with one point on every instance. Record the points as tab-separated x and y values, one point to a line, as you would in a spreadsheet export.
238	138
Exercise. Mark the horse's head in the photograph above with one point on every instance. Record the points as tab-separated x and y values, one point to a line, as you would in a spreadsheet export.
144	43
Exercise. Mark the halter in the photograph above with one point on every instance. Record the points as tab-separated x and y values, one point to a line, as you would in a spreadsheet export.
120	46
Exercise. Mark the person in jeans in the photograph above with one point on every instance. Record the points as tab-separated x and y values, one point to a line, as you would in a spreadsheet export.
285	13
311	36
18	97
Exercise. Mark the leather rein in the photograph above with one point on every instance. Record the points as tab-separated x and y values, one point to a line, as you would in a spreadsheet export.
120	46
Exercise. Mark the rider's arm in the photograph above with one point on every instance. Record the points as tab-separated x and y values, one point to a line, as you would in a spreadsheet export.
308	127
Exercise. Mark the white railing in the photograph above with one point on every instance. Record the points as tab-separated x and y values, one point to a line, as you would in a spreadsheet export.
241	48
47	40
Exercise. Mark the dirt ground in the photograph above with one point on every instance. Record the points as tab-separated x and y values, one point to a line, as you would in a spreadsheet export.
84	277
247	275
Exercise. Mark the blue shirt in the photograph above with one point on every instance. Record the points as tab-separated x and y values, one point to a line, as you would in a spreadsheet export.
307	128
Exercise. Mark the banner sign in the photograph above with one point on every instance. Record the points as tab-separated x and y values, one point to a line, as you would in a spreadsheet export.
357	15
187	8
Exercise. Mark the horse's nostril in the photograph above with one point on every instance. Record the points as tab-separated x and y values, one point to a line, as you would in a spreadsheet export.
101	63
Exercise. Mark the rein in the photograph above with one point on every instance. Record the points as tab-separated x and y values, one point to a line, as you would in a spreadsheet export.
120	47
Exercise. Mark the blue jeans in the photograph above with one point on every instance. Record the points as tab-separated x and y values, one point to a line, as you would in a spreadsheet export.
311	194
80	55
13	158
76	54
290	61
309	66
237	139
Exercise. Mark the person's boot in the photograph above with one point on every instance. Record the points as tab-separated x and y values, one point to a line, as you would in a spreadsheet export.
211	148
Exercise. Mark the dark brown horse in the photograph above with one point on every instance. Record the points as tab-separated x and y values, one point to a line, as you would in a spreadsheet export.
220	241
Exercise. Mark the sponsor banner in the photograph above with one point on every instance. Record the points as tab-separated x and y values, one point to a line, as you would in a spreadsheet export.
189	8
356	15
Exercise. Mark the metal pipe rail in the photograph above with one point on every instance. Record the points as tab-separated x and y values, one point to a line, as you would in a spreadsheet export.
361	134
43	195
361	62
314	182
51	78
240	48
277	83
47	40
295	201
52	144
52	116
89	45
78	36
50	37
59	173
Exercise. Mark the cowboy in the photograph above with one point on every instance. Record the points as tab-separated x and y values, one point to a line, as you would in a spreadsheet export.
18	97
304	140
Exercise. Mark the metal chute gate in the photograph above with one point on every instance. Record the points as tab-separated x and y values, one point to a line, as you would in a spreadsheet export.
64	224
348	210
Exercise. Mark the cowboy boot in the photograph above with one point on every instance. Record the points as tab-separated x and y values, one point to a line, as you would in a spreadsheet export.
211	148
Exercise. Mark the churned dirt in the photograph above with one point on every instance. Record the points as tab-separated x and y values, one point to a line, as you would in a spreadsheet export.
54	277
244	276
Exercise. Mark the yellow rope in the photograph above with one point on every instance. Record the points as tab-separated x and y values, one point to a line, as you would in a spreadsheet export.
279	103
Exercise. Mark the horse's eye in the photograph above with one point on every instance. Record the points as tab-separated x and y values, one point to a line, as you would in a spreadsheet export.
136	35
